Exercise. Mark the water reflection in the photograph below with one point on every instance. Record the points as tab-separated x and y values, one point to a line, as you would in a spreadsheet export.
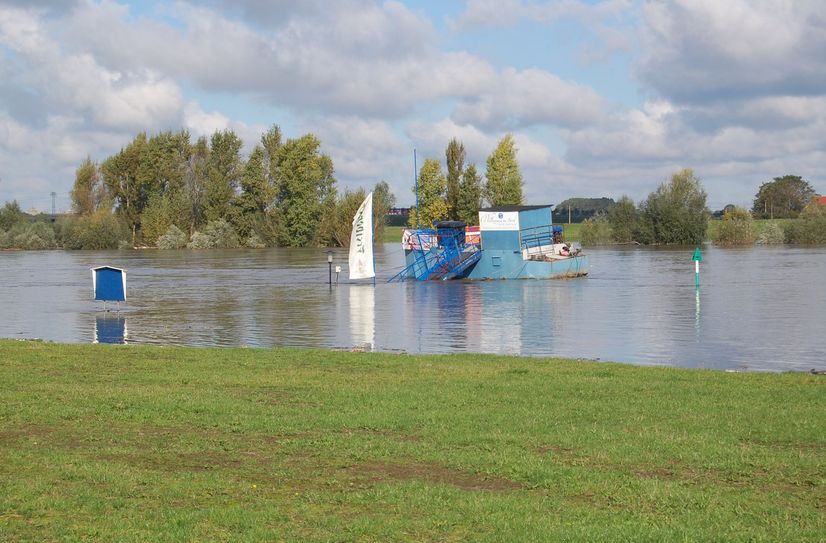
758	308
362	304
110	328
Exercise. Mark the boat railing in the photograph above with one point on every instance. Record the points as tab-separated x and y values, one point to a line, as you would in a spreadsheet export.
439	253
538	236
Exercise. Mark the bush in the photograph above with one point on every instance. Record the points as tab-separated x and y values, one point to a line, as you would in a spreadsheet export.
810	227
32	236
736	228
174	238
198	241
221	235
596	231
254	242
772	234
100	230
11	215
623	219
5	241
676	212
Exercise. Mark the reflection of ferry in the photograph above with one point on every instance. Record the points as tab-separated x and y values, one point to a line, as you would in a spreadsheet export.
511	242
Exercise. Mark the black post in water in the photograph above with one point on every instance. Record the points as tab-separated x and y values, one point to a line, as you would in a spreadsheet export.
330	268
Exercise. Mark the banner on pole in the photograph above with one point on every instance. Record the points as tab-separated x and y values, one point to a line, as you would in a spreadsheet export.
361	241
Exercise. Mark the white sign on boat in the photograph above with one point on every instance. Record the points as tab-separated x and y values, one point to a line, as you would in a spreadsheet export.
498	220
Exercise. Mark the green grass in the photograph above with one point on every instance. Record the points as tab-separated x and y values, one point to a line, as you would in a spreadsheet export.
125	443
393	234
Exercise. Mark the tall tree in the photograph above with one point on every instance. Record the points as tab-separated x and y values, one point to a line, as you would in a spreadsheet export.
432	186
504	185
120	174
86	189
256	194
455	158
223	175
305	182
196	182
782	198
470	196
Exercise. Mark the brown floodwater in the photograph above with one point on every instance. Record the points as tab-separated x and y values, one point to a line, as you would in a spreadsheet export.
758	308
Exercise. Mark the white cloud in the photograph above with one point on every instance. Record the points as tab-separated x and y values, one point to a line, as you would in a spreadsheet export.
695	51
528	97
364	151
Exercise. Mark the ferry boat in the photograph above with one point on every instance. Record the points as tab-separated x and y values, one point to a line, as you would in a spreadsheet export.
511	242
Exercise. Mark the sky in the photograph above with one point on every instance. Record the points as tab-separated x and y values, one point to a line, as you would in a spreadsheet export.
603	98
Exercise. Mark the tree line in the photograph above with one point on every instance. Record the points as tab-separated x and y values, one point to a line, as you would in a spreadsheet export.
460	193
676	213
165	190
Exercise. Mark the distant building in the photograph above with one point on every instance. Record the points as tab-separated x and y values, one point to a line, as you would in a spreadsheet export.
33	211
822	200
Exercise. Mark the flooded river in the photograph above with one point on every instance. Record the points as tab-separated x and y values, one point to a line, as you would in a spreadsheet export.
758	308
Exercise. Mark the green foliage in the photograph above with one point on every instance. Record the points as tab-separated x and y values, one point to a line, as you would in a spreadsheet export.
174	238
221	235
254	241
783	197
596	231
676	212
346	209
223	174
737	228
810	227
432	186
155	220
305	185
120	175
470	196
383	200
5	239
198	240
10	215
624	220
256	193
504	181
36	235
88	192
100	230
582	208
772	234
455	158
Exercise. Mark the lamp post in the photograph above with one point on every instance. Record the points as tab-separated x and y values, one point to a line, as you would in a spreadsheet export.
330	268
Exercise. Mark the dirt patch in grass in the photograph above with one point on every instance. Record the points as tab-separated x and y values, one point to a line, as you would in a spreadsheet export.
381	471
391	434
677	472
42	436
177	462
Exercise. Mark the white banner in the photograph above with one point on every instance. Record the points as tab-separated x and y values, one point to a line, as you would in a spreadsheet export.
361	241
498	220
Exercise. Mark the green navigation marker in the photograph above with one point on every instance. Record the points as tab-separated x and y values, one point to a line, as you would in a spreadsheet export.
697	259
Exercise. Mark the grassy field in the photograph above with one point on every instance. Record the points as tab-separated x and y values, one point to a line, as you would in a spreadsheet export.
125	443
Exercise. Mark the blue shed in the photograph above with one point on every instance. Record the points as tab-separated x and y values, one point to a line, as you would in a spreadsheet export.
109	284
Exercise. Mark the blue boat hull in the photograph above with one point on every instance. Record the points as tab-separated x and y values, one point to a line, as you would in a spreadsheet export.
510	265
